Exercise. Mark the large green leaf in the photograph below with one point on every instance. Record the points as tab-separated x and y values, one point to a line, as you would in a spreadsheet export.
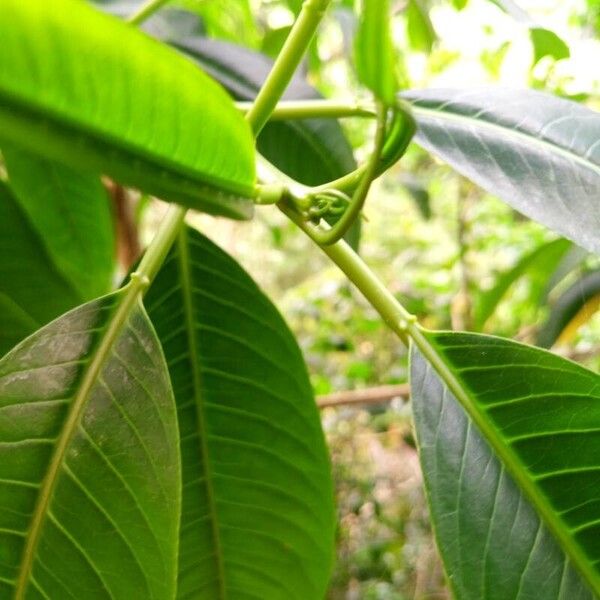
540	415
316	150
539	264
257	518
89	462
492	541
539	153
32	290
84	88
71	213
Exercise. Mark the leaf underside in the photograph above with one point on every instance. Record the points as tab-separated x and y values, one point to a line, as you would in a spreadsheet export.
541	416
84	88
106	508
257	518
538	153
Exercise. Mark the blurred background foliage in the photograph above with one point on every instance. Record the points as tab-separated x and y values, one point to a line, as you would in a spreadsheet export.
458	258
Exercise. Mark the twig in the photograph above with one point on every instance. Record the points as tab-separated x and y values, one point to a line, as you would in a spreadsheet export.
376	395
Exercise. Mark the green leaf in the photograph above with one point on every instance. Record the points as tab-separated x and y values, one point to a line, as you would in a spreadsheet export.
71	213
547	43
492	542
374	51
83	88
538	153
572	308
89	462
539	265
540	415
32	290
421	34
258	518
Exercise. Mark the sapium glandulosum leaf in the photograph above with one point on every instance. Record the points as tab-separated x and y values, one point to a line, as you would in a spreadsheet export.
82	87
89	461
513	484
538	153
257	508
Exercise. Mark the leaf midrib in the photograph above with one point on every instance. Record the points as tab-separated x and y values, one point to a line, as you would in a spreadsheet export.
188	310
508	457
112	330
543	143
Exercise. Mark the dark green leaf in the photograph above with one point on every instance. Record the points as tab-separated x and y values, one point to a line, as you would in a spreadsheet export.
32	290
539	265
492	542
374	50
258	518
539	153
569	310
89	467
71	214
143	114
421	34
540	415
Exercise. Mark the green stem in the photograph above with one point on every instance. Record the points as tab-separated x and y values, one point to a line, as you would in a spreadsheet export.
402	322
286	63
146	10
159	248
309	109
338	229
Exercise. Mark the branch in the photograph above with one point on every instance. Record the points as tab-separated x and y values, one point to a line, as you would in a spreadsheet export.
376	395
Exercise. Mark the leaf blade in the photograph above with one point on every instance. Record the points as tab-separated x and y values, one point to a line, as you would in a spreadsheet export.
25	270
536	152
71	213
525	397
256	477
478	512
78	393
130	79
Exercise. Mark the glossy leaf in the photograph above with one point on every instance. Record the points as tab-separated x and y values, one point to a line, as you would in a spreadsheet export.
258	518
576	305
374	50
71	213
539	265
89	467
491	539
32	290
538	153
540	415
143	114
